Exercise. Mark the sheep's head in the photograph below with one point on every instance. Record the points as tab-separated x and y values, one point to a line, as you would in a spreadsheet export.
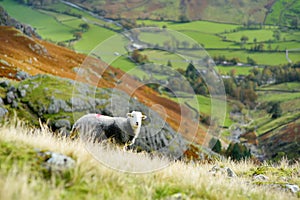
135	119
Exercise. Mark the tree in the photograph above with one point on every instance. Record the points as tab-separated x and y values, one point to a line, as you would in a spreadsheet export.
169	64
276	35
85	27
215	145
275	110
244	39
183	18
77	35
295	22
138	57
238	151
251	61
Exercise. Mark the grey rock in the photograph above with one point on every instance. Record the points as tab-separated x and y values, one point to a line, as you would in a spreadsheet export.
57	105
62	123
217	170
22	75
26	86
260	177
4	62
4	83
22	93
3	112
293	188
56	161
10	97
177	196
12	89
230	173
14	104
1	101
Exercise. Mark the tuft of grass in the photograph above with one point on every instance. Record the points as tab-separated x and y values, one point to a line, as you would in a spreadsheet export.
89	179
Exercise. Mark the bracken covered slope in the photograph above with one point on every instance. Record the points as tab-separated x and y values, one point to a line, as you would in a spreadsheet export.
19	52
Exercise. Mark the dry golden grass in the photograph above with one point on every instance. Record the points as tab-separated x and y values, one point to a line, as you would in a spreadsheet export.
90	179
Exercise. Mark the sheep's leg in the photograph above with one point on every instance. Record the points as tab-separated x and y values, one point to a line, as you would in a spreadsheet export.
130	145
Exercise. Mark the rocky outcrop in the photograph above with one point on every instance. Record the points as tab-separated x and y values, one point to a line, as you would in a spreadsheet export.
6	20
59	102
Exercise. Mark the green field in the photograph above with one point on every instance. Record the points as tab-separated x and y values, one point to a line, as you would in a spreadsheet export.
201	26
224	39
259	35
226	70
262	58
290	86
60	27
204	105
124	63
93	37
284	12
46	25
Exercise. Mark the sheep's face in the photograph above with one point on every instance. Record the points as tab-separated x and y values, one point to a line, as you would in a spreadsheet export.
136	120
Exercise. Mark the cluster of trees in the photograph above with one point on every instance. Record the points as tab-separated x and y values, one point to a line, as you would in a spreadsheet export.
196	80
275	74
78	34
242	89
235	151
138	57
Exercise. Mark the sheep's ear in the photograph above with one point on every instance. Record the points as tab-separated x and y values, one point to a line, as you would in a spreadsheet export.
144	117
129	115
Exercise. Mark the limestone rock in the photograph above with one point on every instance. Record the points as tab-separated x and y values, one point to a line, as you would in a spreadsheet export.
3	112
4	83
56	161
22	75
260	177
217	170
293	188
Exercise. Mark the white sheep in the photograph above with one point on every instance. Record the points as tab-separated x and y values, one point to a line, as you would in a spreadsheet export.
97	127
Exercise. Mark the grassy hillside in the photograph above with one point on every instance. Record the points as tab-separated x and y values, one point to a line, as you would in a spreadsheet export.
233	11
218	39
278	136
59	23
24	176
284	13
287	95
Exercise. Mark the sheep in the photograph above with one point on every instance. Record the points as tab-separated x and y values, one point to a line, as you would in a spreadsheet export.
97	127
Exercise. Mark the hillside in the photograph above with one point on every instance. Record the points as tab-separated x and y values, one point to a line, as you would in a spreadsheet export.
31	168
275	12
232	11
45	87
35	56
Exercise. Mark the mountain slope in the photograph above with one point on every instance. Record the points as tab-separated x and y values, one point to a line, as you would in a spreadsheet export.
232	11
35	56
